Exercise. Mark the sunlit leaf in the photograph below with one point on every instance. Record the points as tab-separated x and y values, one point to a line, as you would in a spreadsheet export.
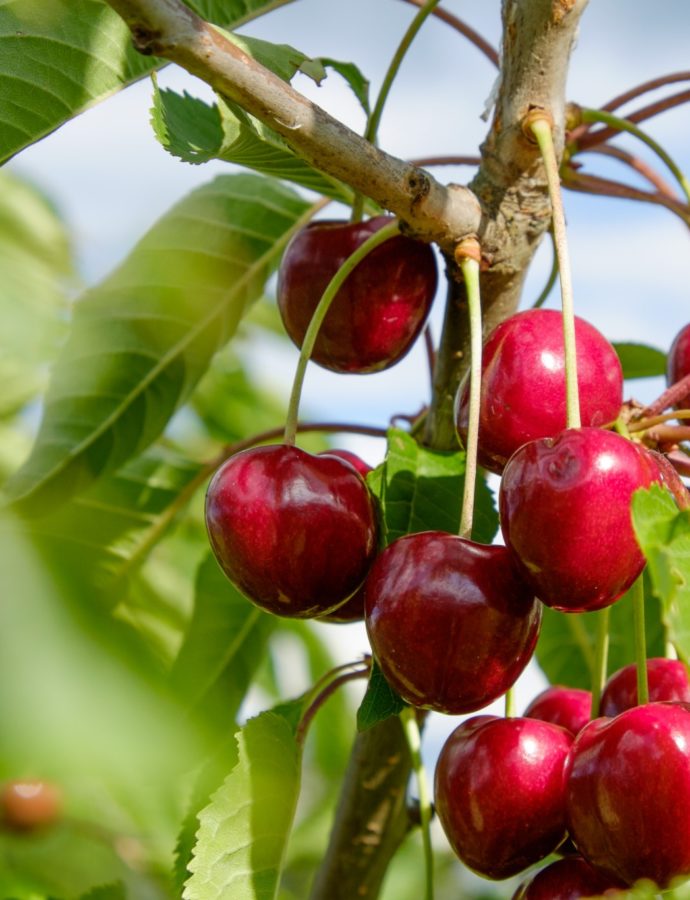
380	701
640	361
141	339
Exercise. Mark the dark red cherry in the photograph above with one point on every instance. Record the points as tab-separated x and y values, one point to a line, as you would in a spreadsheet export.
354	460
628	796
565	514
380	309
500	792
667	680
27	805
523	383
678	361
568	879
450	622
571	708
294	532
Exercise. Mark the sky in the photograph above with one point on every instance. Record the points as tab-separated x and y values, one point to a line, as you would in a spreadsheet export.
631	263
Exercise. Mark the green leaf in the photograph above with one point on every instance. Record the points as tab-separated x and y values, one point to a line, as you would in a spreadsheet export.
243	834
196	133
422	491
640	361
36	264
380	701
115	891
565	650
663	532
354	77
227	634
141	339
58	57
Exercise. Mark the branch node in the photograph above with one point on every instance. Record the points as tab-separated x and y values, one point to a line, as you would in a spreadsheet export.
146	40
534	115
468	248
419	184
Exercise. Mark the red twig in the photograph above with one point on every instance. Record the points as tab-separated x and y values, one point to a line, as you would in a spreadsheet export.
672	396
592	138
321	698
446	161
645	170
479	42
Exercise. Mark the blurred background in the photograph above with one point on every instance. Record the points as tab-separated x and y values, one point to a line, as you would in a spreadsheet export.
109	180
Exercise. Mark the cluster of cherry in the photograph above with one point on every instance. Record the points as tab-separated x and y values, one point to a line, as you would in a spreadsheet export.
452	623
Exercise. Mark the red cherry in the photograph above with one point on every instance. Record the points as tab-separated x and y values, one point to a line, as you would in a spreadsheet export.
667	680
523	383
295	532
26	805
628	796
380	309
450	622
565	514
568	879
570	708
500	792
678	361
354	460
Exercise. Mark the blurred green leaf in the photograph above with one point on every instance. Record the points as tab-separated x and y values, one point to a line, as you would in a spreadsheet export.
663	532
422	491
380	701
242	837
141	340
640	361
565	649
58	57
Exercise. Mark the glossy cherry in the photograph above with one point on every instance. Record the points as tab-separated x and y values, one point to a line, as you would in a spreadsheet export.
450	622
571	708
565	514
628	796
296	533
667	680
354	460
380	309
27	805
523	383
678	361
500	792
568	879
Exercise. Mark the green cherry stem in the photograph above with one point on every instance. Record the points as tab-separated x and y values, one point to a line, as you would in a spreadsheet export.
408	717
379	237
510	703
551	281
601	658
640	641
540	127
374	119
620	124
469	266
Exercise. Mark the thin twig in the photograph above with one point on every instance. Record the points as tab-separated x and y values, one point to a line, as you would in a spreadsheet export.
640	166
676	393
424	161
474	37
598	136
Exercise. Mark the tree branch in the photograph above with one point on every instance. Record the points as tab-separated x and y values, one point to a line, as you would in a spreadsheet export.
169	29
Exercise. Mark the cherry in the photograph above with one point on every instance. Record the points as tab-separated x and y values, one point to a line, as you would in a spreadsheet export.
628	796
354	460
26	805
523	383
565	514
450	622
294	532
667	680
500	792
568	879
678	360
570	708
380	309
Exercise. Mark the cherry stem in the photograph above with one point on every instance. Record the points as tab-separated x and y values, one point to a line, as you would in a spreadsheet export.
620	124
672	395
639	166
651	421
408	718
375	116
551	281
601	659
430	353
637	591
510	703
473	36
541	128
321	697
470	271
324	304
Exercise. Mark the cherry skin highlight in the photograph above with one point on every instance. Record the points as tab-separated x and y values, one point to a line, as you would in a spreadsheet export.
500	792
380	309
523	383
568	879
565	514
570	708
628	795
296	533
667	680
450	622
